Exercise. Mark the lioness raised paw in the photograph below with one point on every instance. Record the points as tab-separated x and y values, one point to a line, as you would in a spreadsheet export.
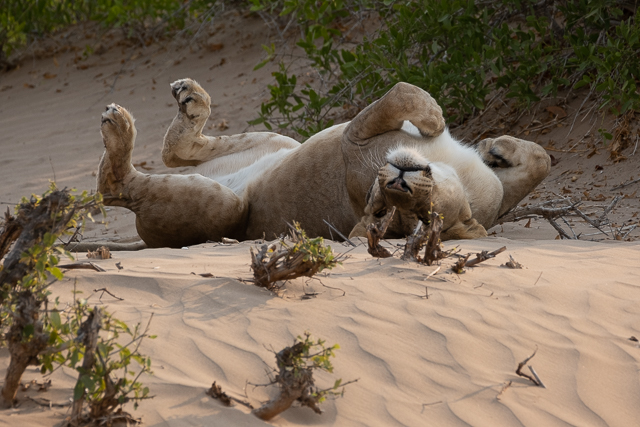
193	100
404	102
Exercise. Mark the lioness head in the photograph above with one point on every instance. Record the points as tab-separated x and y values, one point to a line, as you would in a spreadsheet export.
406	182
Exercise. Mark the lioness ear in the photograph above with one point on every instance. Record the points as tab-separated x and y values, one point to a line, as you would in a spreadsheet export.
359	230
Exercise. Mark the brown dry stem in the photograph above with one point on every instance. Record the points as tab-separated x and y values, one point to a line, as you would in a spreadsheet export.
375	233
306	257
88	334
512	263
483	256
433	248
27	229
295	384
535	379
551	210
427	237
23	352
458	267
102	252
414	243
216	392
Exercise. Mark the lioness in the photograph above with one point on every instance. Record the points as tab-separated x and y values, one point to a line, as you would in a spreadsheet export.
396	152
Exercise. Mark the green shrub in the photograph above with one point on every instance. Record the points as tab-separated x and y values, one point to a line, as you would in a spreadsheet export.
38	333
22	21
461	52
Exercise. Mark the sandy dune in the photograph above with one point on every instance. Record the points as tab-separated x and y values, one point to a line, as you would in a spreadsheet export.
418	361
441	361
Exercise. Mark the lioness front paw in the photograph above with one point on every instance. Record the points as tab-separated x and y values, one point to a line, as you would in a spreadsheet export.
193	100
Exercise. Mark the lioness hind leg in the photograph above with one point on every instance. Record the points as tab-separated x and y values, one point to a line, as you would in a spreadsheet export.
403	102
520	165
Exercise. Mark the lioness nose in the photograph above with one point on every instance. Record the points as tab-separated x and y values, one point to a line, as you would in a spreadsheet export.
398	184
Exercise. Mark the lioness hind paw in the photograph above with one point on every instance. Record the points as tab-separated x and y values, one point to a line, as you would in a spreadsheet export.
497	160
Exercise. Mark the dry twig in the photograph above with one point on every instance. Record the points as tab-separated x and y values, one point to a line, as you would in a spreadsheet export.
102	252
305	257
216	392
550	211
483	256
427	237
375	233
512	263
105	290
535	379
502	390
82	266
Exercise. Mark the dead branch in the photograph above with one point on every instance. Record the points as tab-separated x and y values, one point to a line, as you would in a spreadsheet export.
47	403
503	389
88	334
483	256
433	248
512	263
88	265
105	290
545	210
375	233
28	228
346	239
216	392
24	352
549	211
428	237
102	252
295	384
458	267
433	273
535	375
626	184
535	379
305	257
112	246
414	243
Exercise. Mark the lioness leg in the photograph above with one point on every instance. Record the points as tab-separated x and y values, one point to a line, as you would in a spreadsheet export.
520	165
403	102
185	145
171	210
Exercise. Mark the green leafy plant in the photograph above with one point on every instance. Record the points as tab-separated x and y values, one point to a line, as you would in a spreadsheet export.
303	256
35	330
462	52
21	22
294	376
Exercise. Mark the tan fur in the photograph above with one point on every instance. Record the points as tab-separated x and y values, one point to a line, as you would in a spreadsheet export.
171	210
277	180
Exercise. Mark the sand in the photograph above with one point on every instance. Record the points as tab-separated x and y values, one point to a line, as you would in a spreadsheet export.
445	360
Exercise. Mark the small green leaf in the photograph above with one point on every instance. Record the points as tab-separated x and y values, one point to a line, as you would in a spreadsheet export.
54	318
